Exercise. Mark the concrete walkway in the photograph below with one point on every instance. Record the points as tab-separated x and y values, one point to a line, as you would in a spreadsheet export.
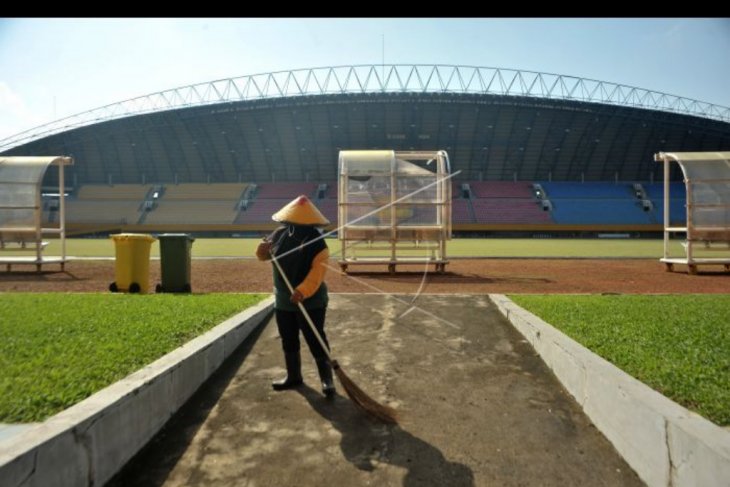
478	406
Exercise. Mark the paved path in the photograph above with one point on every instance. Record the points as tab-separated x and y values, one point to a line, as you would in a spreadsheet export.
479	408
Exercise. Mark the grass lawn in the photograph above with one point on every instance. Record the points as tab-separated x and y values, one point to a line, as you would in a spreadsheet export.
678	345
462	247
57	349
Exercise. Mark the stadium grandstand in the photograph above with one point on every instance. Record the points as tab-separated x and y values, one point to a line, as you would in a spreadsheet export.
537	152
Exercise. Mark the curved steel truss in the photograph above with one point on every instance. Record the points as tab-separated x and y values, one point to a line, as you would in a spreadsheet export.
387	78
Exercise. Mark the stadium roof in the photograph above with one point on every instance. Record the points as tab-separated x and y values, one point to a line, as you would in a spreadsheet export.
386	78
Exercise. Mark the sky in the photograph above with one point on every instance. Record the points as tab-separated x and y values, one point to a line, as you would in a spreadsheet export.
52	68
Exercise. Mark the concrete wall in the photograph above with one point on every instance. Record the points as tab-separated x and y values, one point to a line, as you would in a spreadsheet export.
666	444
88	443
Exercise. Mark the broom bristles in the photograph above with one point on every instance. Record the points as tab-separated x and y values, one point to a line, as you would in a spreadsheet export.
383	413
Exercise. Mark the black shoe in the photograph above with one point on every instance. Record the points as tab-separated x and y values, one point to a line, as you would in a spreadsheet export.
293	373
325	374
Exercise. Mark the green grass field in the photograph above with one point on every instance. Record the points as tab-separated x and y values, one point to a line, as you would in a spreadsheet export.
465	247
58	349
679	345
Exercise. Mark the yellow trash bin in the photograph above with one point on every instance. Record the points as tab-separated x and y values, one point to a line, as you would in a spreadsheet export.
132	267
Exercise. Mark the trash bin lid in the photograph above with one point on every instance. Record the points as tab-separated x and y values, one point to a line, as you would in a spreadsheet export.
175	235
132	236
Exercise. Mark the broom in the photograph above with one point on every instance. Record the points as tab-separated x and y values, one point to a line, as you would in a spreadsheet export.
373	408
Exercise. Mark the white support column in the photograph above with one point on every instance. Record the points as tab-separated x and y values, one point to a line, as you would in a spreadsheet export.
689	223
38	217
393	209
666	205
62	210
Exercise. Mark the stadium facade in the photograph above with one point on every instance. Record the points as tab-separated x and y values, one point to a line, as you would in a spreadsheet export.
497	125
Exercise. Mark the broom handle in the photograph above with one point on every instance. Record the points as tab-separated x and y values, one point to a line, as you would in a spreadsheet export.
303	310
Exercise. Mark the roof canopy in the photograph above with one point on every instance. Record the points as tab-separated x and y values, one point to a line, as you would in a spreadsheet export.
20	187
707	176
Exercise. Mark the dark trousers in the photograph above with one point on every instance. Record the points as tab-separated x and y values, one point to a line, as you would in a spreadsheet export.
289	324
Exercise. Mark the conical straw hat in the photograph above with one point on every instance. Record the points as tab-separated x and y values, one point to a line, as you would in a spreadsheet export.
300	211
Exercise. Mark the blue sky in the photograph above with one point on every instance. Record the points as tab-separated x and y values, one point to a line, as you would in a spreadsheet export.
51	68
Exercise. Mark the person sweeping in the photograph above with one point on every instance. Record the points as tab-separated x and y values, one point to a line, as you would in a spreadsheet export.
301	254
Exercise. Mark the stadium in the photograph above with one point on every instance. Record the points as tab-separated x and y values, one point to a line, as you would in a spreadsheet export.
624	382
536	153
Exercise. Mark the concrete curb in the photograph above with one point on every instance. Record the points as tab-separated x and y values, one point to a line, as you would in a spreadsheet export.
665	443
88	443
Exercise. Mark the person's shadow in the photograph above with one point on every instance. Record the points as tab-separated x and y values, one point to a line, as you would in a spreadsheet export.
365	443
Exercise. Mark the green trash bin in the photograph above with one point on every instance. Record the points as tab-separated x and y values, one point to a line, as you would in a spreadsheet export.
175	250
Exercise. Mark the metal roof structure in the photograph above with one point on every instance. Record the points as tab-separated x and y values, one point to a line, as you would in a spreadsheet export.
385	78
495	124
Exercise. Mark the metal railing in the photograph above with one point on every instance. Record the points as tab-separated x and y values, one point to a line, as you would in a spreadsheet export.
387	78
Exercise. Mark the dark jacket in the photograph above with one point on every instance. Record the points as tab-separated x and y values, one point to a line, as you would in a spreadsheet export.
302	266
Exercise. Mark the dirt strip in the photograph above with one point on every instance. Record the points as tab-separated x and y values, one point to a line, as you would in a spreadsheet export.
478	276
